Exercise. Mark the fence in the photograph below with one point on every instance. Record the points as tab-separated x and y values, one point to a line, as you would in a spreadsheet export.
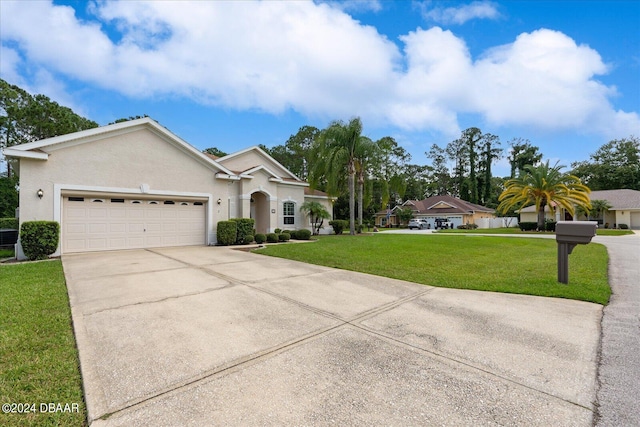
501	222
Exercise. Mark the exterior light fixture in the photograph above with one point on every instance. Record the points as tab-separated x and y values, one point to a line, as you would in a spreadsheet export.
40	193
219	201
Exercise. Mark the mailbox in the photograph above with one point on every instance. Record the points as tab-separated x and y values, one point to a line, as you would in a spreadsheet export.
576	232
568	235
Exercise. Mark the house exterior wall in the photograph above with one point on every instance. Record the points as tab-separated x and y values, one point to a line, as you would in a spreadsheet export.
139	162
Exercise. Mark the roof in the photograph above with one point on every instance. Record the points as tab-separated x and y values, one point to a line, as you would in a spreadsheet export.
41	149
618	199
446	205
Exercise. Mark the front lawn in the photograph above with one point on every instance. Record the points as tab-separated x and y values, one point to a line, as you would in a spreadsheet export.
515	230
38	355
488	263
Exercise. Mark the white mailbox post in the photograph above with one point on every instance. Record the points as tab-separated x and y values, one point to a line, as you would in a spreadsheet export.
568	235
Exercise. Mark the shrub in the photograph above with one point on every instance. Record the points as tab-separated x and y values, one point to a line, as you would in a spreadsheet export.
467	227
528	226
227	232
623	226
339	225
260	238
284	237
277	231
10	223
550	226
302	234
39	239
272	238
244	230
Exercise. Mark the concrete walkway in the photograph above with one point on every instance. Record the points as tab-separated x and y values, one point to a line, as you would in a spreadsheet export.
619	371
214	336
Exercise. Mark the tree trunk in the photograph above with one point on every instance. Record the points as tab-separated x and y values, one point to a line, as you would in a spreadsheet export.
352	201
541	217
360	198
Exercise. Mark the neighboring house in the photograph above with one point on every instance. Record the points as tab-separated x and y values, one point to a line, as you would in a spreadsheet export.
625	209
135	185
451	209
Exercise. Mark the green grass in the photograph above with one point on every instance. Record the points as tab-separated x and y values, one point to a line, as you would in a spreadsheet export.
488	263
512	230
6	253
38	356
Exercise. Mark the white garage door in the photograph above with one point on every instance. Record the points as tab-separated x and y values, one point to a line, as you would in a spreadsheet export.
635	220
99	224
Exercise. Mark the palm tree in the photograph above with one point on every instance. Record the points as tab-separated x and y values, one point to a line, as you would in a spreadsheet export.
317	213
544	185
366	155
338	150
597	209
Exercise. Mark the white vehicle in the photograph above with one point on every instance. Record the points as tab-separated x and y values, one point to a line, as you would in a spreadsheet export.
420	224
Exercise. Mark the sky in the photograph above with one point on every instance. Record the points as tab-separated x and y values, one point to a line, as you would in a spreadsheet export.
232	74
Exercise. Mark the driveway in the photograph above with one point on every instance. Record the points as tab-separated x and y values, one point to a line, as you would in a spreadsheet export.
216	336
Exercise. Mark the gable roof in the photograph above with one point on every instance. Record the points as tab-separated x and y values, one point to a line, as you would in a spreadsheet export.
432	205
618	199
288	174
41	149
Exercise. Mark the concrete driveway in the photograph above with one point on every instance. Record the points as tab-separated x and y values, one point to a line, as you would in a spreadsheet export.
216	336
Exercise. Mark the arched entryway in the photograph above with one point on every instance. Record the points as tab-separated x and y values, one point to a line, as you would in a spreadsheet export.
260	211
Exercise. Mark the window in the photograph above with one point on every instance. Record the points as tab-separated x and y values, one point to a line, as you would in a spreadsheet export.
117	200
136	202
98	200
169	202
197	203
288	212
76	199
184	204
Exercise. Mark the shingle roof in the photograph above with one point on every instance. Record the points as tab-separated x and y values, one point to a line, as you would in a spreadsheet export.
457	206
618	199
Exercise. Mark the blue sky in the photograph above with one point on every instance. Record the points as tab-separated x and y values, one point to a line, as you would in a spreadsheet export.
563	74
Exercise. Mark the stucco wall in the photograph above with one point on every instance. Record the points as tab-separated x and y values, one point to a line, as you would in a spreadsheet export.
119	162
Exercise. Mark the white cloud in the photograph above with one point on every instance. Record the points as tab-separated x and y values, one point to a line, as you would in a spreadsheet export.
316	60
462	14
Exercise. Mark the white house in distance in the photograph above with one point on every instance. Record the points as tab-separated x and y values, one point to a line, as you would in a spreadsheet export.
136	185
625	209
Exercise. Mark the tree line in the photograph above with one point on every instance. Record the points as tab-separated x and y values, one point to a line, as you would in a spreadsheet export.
365	175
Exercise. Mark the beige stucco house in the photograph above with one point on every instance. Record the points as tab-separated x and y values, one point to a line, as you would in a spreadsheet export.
135	185
625	209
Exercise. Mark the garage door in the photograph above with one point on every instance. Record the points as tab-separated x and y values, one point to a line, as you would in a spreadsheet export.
635	220
98	224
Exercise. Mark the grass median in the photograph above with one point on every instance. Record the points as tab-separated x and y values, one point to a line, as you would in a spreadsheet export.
38	353
512	230
487	263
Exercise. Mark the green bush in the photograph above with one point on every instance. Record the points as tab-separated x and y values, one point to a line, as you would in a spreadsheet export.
272	238
227	232
623	226
302	234
11	223
277	231
284	237
260	238
245	230
467	227
39	239
550	226
339	225
528	226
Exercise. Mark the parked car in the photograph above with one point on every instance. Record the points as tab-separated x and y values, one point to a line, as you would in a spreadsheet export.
420	224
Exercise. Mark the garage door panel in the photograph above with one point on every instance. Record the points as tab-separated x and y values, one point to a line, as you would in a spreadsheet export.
124	224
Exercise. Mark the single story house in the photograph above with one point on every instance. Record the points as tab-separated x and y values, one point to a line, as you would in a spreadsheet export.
135	184
448	208
625	209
